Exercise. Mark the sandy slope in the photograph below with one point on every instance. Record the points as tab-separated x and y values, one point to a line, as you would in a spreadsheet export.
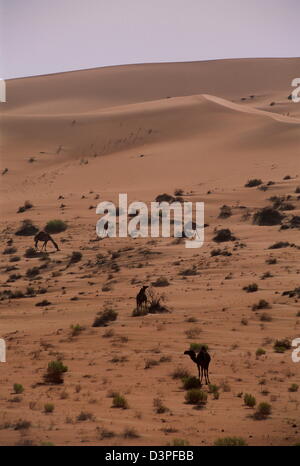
86	132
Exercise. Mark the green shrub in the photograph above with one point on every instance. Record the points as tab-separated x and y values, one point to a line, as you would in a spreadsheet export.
18	388
119	401
180	373
76	330
263	410
55	372
196	396
260	352
49	408
55	226
179	442
190	382
197	347
230	442
249	400
294	387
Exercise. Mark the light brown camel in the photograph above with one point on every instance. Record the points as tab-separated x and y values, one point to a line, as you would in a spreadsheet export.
45	237
202	359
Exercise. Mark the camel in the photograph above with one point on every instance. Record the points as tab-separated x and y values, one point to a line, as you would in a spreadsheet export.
202	360
45	237
141	297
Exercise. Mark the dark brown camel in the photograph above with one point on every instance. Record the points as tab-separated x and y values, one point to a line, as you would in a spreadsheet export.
202	359
141	297
45	237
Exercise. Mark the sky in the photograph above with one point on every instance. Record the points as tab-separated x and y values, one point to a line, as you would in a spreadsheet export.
50	36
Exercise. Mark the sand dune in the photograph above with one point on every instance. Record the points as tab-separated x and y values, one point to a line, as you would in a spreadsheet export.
71	140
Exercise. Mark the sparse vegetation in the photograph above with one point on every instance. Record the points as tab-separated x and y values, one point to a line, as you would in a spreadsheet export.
18	388
249	400
267	217
104	317
196	396
223	235
253	182
263	411
230	442
27	228
251	288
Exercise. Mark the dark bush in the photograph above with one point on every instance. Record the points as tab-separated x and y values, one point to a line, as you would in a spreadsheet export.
105	316
27	228
223	235
55	372
267	217
253	182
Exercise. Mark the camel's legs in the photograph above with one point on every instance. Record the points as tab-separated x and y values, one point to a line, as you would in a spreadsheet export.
207	377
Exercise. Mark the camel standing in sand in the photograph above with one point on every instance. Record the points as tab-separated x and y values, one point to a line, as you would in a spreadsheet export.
202	359
45	237
141	297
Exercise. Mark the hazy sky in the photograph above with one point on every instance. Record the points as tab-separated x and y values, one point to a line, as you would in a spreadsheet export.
48	36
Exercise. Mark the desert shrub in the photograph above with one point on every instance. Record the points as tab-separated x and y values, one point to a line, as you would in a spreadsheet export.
104	317
190	382
18	388
297	190
180	373
165	198
30	253
150	363
262	304
266	275
292	293
219	252
48	408
214	389
251	288
105	433
180	192
55	372
249	400
27	205
225	211
189	271
279	245
22	424
280	346
193	332
196	396
10	250
55	226
161	281
178	442
43	303
159	407
141	311
27	228
271	261
263	410
32	272
84	416
230	442
119	401
265	317
223	235
76	330
260	352
253	182
130	432
267	217
75	257
294	387
155	303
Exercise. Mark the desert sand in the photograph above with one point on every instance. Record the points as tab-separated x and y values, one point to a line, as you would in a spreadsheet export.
71	140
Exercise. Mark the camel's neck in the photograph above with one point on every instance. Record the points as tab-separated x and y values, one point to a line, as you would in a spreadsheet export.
193	357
